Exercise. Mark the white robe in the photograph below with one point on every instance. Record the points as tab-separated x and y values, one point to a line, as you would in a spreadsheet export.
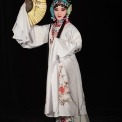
64	91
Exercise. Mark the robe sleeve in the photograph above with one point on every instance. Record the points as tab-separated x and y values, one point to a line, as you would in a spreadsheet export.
70	46
26	35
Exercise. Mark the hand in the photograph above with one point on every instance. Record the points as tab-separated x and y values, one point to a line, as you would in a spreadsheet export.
29	5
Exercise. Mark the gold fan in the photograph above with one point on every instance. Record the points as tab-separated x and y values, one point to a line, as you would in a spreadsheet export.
38	11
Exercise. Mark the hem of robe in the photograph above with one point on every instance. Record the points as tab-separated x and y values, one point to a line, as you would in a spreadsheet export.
76	118
82	118
57	115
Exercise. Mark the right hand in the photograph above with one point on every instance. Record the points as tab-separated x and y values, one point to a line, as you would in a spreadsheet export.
29	5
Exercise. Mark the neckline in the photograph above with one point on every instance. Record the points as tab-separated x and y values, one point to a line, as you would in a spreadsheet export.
50	35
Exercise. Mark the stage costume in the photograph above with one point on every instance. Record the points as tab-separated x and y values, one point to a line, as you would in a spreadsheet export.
65	98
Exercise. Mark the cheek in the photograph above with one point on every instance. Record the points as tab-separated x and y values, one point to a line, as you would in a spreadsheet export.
64	13
55	12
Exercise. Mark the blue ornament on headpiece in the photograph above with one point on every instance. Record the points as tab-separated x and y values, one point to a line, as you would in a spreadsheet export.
66	3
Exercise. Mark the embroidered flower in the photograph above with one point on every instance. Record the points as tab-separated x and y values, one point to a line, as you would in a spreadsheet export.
63	119
61	89
64	90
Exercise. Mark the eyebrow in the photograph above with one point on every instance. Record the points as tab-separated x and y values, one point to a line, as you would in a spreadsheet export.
63	8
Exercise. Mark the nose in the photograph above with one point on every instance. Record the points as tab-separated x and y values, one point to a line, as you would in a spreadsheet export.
59	13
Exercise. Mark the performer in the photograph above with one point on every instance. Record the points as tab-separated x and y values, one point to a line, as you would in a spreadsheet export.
65	98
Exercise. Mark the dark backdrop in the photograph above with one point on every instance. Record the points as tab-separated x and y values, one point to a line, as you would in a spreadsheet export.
23	71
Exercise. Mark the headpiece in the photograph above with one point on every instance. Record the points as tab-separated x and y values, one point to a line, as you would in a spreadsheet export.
65	3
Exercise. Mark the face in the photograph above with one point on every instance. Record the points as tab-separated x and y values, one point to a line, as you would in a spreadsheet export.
60	12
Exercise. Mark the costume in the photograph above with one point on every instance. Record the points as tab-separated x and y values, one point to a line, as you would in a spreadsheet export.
65	98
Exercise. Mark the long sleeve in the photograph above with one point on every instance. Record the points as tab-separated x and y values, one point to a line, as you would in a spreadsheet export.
29	36
70	46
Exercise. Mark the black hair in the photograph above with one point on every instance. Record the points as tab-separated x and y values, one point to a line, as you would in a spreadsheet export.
61	29
60	5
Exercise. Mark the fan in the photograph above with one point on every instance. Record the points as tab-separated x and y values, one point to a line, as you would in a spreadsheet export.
38	11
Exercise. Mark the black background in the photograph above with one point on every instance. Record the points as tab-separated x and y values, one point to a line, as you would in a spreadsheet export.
23	71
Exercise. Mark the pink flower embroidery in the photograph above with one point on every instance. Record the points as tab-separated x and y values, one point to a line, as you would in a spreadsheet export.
61	89
63	119
64	90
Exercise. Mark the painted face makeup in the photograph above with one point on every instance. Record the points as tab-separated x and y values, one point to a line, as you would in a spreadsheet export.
60	12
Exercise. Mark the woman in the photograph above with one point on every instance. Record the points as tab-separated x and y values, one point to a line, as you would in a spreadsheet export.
64	92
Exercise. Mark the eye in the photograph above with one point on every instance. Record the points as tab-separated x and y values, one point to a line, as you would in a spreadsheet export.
63	9
55	9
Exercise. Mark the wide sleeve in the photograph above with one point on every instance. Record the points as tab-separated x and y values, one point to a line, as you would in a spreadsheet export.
71	45
26	35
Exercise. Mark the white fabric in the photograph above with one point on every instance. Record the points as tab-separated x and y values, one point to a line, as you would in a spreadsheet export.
64	91
26	35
